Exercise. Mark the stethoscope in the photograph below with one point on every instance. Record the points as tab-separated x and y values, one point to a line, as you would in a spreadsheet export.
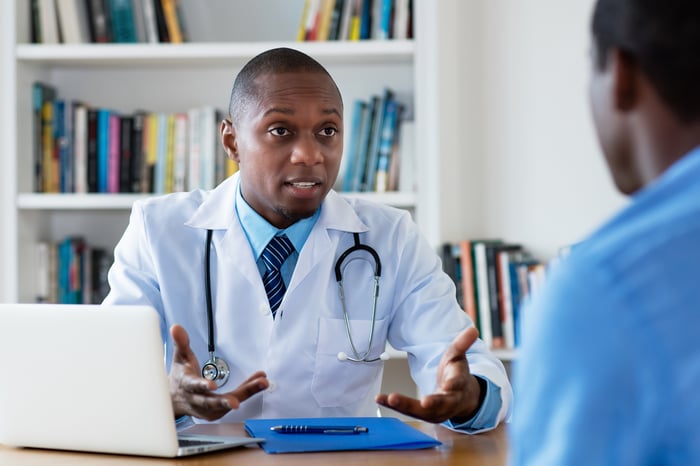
217	369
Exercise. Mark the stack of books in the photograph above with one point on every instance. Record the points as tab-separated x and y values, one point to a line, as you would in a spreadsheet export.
103	21
79	148
356	20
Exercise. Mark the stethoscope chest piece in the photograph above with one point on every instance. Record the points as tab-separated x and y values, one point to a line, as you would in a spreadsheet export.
216	369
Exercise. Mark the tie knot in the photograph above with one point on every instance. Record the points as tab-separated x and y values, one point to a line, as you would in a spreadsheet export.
276	252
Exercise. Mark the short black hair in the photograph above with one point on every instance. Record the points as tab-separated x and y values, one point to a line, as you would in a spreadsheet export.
663	38
273	61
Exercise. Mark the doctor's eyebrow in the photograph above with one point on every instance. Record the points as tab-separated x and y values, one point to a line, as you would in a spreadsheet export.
289	111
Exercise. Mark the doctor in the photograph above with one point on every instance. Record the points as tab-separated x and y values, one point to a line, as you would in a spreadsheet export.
282	332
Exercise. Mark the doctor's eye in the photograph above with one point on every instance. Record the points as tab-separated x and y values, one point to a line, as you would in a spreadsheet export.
279	131
329	131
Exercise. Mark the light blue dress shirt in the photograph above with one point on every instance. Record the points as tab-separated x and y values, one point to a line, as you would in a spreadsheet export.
609	370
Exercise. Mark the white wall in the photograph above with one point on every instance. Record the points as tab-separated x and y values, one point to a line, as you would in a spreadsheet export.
542	177
4	115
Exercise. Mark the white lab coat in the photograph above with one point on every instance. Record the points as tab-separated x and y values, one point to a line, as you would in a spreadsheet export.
160	261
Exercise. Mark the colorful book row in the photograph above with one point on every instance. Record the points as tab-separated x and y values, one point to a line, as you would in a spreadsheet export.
102	21
71	272
84	149
356	20
374	145
493	278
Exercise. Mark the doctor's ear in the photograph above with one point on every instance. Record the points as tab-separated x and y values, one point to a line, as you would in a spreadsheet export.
228	139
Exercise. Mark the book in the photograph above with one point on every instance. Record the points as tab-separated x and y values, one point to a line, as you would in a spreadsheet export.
49	167
126	154
402	15
48	22
336	16
467	266
98	25
161	25
41	94
501	314
194	149
121	15
149	20
137	150
356	20
366	19
384	433
172	21
452	268
180	152
386	145
73	21
301	30
80	148
359	115
369	182
113	152
103	150
481	287
313	20
364	146
139	16
504	257
345	19
385	19
92	151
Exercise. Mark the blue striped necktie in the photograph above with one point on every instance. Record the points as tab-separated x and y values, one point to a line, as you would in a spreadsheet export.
273	256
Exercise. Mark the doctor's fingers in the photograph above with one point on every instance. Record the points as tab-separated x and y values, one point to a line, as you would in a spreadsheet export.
252	385
413	407
461	343
183	352
210	406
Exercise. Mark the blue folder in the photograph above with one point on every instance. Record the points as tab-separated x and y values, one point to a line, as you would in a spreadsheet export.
385	433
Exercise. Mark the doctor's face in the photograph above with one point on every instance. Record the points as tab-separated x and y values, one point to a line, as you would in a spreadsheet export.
288	143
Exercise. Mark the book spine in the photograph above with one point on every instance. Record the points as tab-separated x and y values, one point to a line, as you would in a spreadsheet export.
482	288
364	147
99	22
80	142
386	143
126	157
465	257
113	154
359	113
102	150
336	17
92	150
194	145
172	22
137	151
495	312
121	13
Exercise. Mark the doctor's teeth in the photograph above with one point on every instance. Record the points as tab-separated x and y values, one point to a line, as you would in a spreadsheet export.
304	184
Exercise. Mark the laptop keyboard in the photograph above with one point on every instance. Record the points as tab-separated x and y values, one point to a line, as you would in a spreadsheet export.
185	442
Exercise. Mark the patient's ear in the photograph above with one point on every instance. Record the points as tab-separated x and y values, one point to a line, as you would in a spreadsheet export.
228	139
625	74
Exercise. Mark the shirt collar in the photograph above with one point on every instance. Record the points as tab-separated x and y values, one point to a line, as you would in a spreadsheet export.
259	231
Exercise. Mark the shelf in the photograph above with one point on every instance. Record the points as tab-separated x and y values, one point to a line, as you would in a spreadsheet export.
211	54
32	201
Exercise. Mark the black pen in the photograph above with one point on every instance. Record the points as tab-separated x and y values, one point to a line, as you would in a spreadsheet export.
331	430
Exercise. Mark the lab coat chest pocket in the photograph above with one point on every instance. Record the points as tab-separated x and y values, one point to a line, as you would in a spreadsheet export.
339	383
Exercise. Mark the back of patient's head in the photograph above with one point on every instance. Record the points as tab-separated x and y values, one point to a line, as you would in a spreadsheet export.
663	38
275	61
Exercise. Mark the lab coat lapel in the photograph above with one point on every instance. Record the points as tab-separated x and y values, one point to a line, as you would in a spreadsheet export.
336	215
217	213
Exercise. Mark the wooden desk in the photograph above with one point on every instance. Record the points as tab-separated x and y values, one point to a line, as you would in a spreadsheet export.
485	449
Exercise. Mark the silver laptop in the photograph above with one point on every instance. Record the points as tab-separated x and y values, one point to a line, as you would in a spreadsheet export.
90	378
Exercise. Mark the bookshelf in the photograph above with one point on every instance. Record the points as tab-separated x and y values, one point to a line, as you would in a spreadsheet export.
188	75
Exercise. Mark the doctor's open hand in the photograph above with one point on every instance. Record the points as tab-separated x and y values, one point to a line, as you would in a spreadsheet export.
193	395
457	394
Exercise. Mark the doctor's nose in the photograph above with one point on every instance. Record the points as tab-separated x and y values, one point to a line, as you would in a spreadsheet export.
306	151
